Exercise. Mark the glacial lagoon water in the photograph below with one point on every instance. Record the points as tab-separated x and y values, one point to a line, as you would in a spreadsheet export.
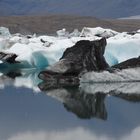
90	112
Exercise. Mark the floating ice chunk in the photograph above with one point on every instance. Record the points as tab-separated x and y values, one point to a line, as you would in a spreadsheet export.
120	46
37	55
4	43
62	33
75	33
4	32
110	59
23	40
121	49
22	51
98	31
47	44
15	39
40	59
138	31
19	39
126	75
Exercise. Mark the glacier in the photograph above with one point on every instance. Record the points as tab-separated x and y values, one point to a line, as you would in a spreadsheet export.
41	51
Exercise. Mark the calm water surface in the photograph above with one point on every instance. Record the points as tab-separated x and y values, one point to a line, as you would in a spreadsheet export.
96	112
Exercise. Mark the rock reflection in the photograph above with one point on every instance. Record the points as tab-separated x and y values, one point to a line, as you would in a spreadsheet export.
88	100
85	101
83	105
87	106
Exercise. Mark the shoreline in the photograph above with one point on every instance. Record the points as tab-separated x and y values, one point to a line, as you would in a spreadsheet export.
49	24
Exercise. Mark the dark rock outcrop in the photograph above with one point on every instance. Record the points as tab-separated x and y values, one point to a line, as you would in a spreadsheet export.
131	63
84	56
8	57
87	55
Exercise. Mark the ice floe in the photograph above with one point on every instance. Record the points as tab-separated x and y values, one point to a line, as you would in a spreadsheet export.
44	50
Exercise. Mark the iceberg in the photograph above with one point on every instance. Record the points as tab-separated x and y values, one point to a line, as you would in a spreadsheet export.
98	31
121	48
62	33
34	52
125	75
42	51
4	32
38	51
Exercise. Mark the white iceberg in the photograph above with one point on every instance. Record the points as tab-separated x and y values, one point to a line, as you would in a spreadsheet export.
98	31
62	33
121	48
41	51
125	75
37	53
4	32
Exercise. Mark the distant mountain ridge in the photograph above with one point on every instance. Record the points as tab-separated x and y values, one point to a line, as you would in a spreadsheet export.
96	8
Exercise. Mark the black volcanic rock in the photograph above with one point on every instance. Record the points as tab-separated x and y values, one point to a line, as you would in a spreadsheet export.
84	56
8	57
88	55
130	63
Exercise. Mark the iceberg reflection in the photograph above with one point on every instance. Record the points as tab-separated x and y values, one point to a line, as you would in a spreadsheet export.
85	101
27	78
88	100
28	116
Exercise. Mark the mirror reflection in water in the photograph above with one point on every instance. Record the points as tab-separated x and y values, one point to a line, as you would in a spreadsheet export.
33	110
